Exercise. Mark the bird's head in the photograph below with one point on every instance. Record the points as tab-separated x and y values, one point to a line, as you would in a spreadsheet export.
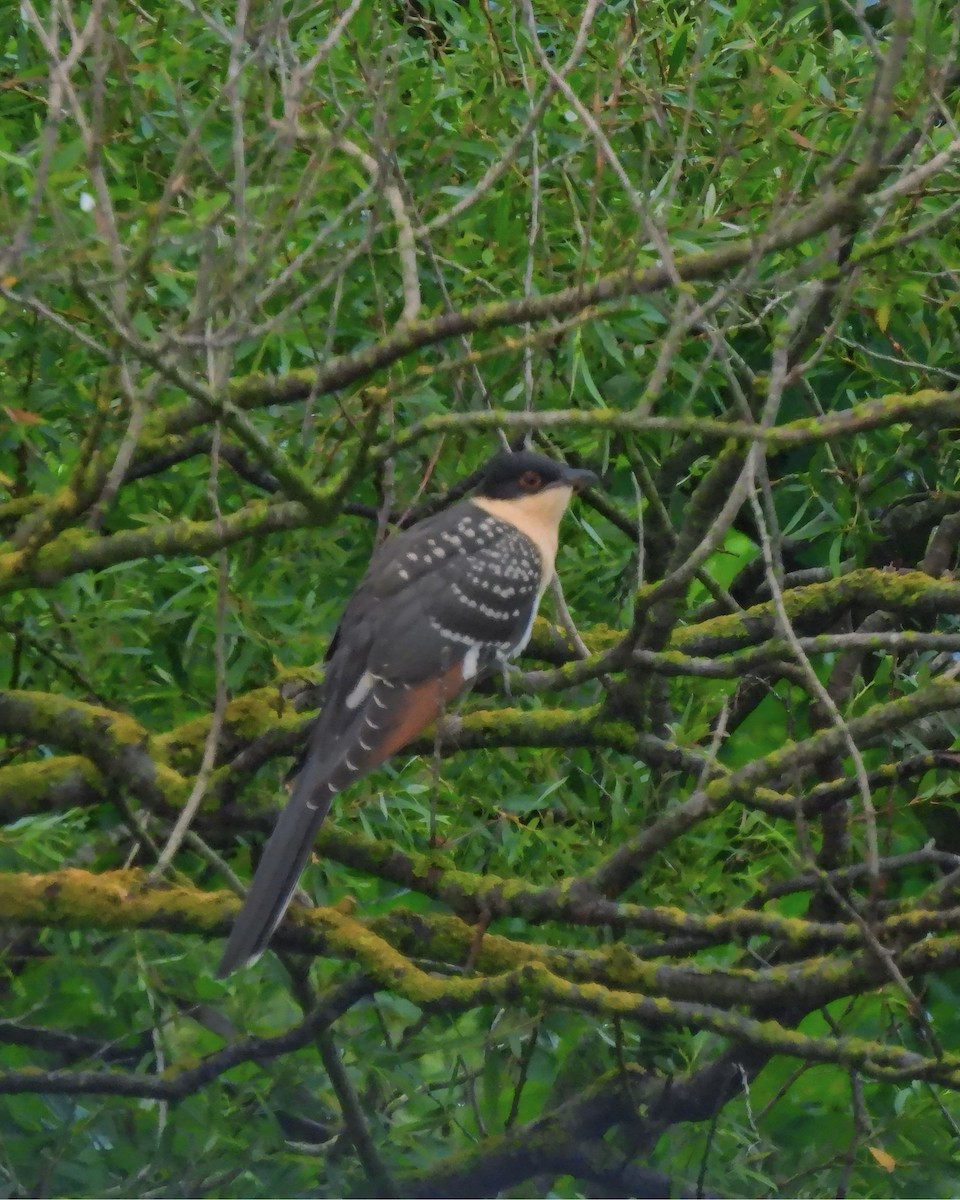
512	475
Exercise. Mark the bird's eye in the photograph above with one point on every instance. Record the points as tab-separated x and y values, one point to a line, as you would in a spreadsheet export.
531	481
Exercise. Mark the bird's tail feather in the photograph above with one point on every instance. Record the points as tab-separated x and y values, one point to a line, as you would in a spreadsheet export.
390	716
284	857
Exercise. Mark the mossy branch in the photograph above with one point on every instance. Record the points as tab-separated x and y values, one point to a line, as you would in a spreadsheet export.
77	550
114	743
121	901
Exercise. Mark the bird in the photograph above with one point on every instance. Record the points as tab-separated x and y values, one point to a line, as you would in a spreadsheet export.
442	602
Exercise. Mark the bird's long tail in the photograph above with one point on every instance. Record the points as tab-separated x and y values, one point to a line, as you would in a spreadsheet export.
389	717
284	857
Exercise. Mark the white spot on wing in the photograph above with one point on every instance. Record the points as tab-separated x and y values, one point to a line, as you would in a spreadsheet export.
525	636
471	661
361	690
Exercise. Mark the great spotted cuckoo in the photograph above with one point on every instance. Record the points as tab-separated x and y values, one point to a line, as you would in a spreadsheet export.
441	602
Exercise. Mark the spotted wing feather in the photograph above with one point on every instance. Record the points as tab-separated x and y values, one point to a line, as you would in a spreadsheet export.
466	582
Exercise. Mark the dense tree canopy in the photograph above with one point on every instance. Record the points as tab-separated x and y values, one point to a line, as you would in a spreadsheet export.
673	909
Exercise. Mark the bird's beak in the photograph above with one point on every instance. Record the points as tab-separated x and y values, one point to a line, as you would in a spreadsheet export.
578	479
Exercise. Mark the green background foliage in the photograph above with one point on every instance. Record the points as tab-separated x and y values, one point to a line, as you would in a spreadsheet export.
276	278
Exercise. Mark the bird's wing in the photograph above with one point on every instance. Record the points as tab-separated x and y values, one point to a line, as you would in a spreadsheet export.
439	604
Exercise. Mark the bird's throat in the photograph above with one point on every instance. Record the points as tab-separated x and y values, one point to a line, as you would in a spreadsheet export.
537	516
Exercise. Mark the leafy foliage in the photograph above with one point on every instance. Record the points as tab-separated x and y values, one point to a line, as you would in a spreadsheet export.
676	907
